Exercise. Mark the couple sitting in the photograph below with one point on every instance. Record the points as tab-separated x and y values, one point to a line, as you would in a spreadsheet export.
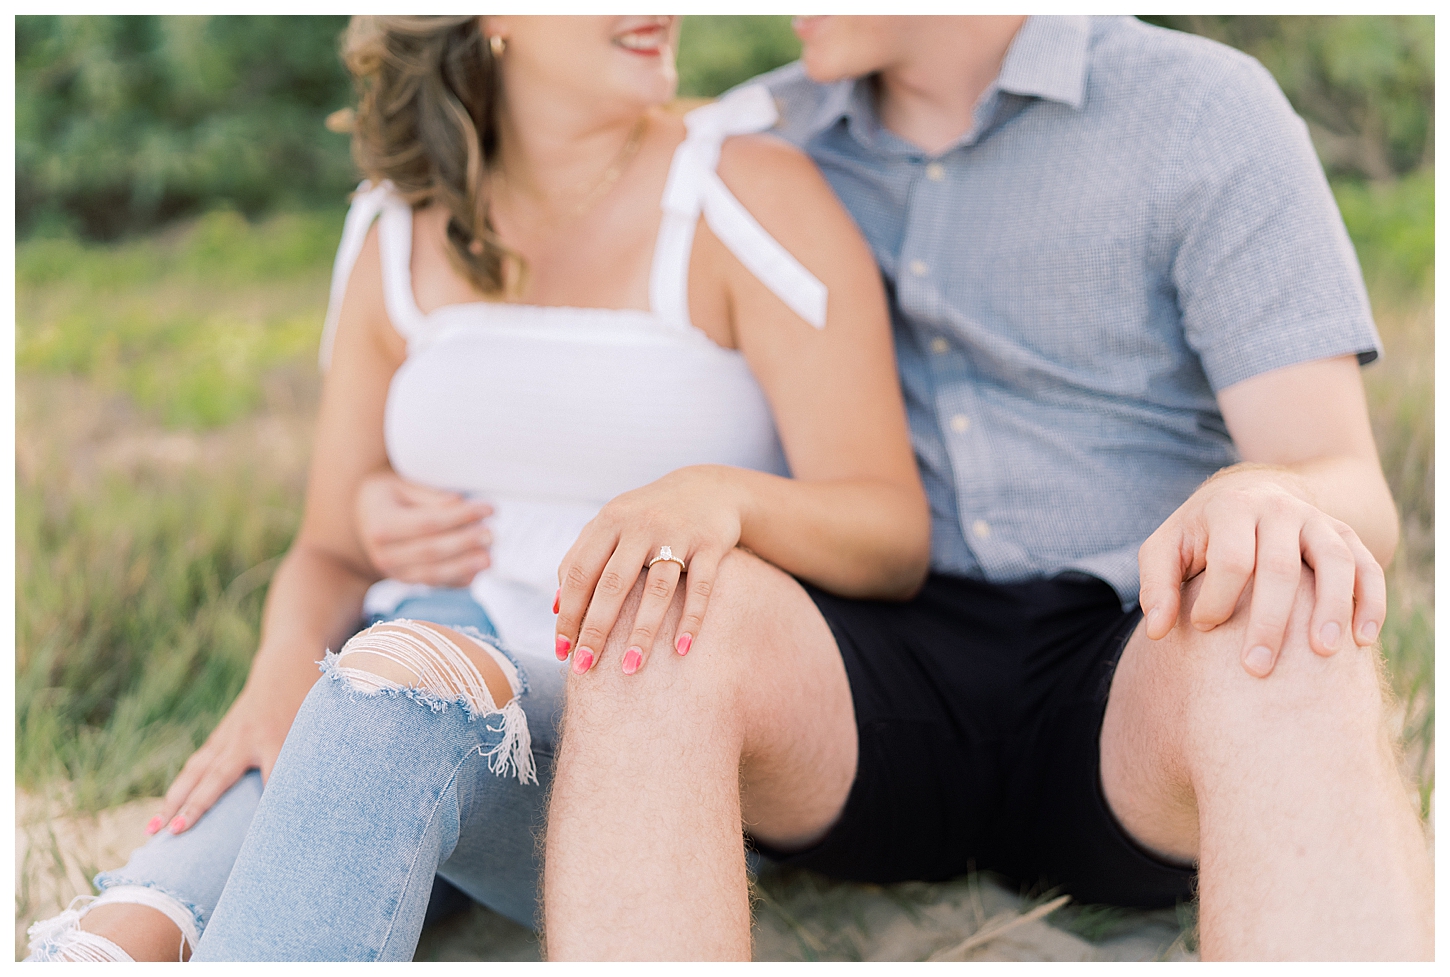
846	574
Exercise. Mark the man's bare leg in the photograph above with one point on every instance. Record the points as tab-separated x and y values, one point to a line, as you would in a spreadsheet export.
1284	789
657	770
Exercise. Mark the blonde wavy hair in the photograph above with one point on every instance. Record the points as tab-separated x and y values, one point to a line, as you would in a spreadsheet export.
428	90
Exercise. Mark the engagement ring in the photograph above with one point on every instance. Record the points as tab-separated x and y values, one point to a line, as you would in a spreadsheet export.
667	555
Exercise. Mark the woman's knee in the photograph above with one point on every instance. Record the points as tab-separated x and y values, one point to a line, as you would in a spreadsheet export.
428	657
438	665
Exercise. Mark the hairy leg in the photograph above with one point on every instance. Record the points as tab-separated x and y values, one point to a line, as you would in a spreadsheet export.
1284	789
658	770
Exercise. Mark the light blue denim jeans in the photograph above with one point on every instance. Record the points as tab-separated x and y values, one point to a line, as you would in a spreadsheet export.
372	794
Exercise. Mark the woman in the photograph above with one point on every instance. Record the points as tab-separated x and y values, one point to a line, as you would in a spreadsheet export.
564	308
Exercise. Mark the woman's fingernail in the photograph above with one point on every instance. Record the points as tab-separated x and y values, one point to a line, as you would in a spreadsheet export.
583	658
1154	618
154	825
178	824
682	644
1259	660
556	600
1329	634
561	647
1369	630
632	658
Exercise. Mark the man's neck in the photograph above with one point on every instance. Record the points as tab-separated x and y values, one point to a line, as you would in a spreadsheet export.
929	96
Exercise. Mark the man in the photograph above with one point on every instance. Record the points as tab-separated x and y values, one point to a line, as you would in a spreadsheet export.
1128	322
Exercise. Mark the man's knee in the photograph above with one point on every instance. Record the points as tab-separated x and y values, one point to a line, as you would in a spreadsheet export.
1220	695
710	678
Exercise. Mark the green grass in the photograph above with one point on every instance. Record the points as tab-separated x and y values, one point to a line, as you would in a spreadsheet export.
184	323
135	622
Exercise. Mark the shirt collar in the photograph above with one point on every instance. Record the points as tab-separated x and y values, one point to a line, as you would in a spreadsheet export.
1047	59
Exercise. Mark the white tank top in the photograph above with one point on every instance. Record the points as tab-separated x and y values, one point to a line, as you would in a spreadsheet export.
548	412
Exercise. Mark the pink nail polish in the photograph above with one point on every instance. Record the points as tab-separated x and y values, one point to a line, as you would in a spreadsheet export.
556	601
178	823
154	825
632	658
682	645
561	647
583	658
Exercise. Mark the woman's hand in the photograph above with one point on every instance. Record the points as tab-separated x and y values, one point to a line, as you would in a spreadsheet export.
419	534
696	512
249	735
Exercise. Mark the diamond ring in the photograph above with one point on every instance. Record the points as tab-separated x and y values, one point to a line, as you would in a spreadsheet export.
666	555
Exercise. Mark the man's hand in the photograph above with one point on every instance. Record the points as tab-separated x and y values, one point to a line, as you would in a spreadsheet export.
1254	522
418	534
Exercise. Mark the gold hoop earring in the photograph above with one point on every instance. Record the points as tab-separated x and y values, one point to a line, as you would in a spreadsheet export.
496	45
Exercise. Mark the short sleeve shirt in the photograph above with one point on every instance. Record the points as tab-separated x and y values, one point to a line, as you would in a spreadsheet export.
1135	221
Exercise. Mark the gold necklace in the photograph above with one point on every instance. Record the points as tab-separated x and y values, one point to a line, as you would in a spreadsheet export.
588	192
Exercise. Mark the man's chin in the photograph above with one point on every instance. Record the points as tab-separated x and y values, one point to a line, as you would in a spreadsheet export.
823	71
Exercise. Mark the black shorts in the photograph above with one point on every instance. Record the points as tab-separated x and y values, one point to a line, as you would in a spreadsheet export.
978	708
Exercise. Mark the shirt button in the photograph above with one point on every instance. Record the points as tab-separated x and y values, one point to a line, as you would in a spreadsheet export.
960	423
981	530
935	171
939	345
918	268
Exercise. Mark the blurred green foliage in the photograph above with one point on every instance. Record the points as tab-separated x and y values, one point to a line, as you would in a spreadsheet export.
122	123
717	53
1392	224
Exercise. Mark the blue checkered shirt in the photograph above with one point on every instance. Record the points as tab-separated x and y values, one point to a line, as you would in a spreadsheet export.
1135	221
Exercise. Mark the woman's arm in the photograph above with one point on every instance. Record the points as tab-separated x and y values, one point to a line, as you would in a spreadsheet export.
854	518
315	598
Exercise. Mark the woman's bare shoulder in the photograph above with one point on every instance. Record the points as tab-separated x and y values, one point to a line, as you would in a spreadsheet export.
760	167
782	189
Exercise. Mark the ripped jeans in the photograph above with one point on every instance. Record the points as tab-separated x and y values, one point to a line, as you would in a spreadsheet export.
373	793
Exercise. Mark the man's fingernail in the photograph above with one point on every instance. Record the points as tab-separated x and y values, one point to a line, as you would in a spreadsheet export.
682	645
1154	616
1369	630
561	647
178	824
1329	634
1259	660
632	658
583	658
154	825
556	600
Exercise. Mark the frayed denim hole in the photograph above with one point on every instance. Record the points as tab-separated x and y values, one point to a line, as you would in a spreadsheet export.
494	642
111	880
513	751
392	690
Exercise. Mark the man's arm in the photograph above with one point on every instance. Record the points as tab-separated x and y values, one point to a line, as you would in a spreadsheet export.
1310	491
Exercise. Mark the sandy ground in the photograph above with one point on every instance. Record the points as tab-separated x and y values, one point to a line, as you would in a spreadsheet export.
806	918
